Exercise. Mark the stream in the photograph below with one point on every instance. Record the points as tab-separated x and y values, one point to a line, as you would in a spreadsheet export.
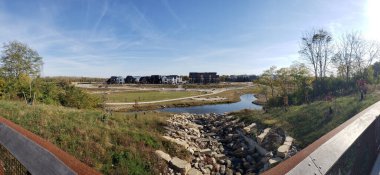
244	103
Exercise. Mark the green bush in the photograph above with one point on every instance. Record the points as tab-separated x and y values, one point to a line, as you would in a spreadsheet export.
321	89
75	97
47	92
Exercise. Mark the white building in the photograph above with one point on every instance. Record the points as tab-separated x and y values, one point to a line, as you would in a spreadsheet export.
172	79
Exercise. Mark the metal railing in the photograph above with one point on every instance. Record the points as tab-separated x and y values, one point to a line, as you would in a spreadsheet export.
361	155
351	148
9	165
24	153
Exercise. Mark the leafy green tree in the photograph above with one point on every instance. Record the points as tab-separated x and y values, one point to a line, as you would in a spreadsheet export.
3	84
264	91
376	69
302	80
283	80
268	78
369	75
223	78
18	58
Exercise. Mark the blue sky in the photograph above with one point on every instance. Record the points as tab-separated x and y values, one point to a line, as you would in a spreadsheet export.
100	38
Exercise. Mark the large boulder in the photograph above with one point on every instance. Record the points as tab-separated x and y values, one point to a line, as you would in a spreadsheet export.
283	150
177	141
194	171
163	155
205	151
288	141
222	169
250	128
274	161
220	156
180	165
262	136
274	138
194	125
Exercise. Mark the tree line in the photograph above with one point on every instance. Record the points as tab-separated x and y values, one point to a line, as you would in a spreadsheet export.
331	66
20	70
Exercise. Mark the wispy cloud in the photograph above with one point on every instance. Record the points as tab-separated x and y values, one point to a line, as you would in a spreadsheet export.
104	52
174	14
101	38
102	14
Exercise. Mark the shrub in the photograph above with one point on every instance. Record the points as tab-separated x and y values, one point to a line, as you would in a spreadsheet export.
75	97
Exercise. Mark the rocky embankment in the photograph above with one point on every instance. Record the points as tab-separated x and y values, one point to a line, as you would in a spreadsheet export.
221	144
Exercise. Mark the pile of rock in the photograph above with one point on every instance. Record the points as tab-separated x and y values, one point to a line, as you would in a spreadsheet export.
222	144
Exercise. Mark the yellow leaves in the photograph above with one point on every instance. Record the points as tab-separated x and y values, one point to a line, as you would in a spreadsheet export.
24	79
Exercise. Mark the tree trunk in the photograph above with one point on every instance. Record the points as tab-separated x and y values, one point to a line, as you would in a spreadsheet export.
272	88
361	95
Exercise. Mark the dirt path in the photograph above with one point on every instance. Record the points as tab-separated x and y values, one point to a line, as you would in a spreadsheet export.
183	98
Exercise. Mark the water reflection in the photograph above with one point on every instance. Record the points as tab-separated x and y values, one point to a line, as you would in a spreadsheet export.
244	103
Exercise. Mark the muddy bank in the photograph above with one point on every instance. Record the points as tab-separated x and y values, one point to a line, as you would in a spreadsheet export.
260	100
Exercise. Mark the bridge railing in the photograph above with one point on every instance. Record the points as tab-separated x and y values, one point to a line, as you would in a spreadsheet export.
361	155
351	148
9	164
22	152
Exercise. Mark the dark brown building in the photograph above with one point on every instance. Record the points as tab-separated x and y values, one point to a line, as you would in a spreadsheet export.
203	77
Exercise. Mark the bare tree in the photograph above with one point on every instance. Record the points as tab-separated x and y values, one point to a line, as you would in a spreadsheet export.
345	54
354	54
373	50
316	49
370	52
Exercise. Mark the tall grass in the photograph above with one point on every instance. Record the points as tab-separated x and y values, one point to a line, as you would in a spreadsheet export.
121	143
142	96
309	122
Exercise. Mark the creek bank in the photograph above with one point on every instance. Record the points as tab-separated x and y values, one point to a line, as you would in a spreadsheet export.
222	144
260	100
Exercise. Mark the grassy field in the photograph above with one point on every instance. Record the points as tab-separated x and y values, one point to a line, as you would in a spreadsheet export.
306	123
230	96
121	143
142	96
